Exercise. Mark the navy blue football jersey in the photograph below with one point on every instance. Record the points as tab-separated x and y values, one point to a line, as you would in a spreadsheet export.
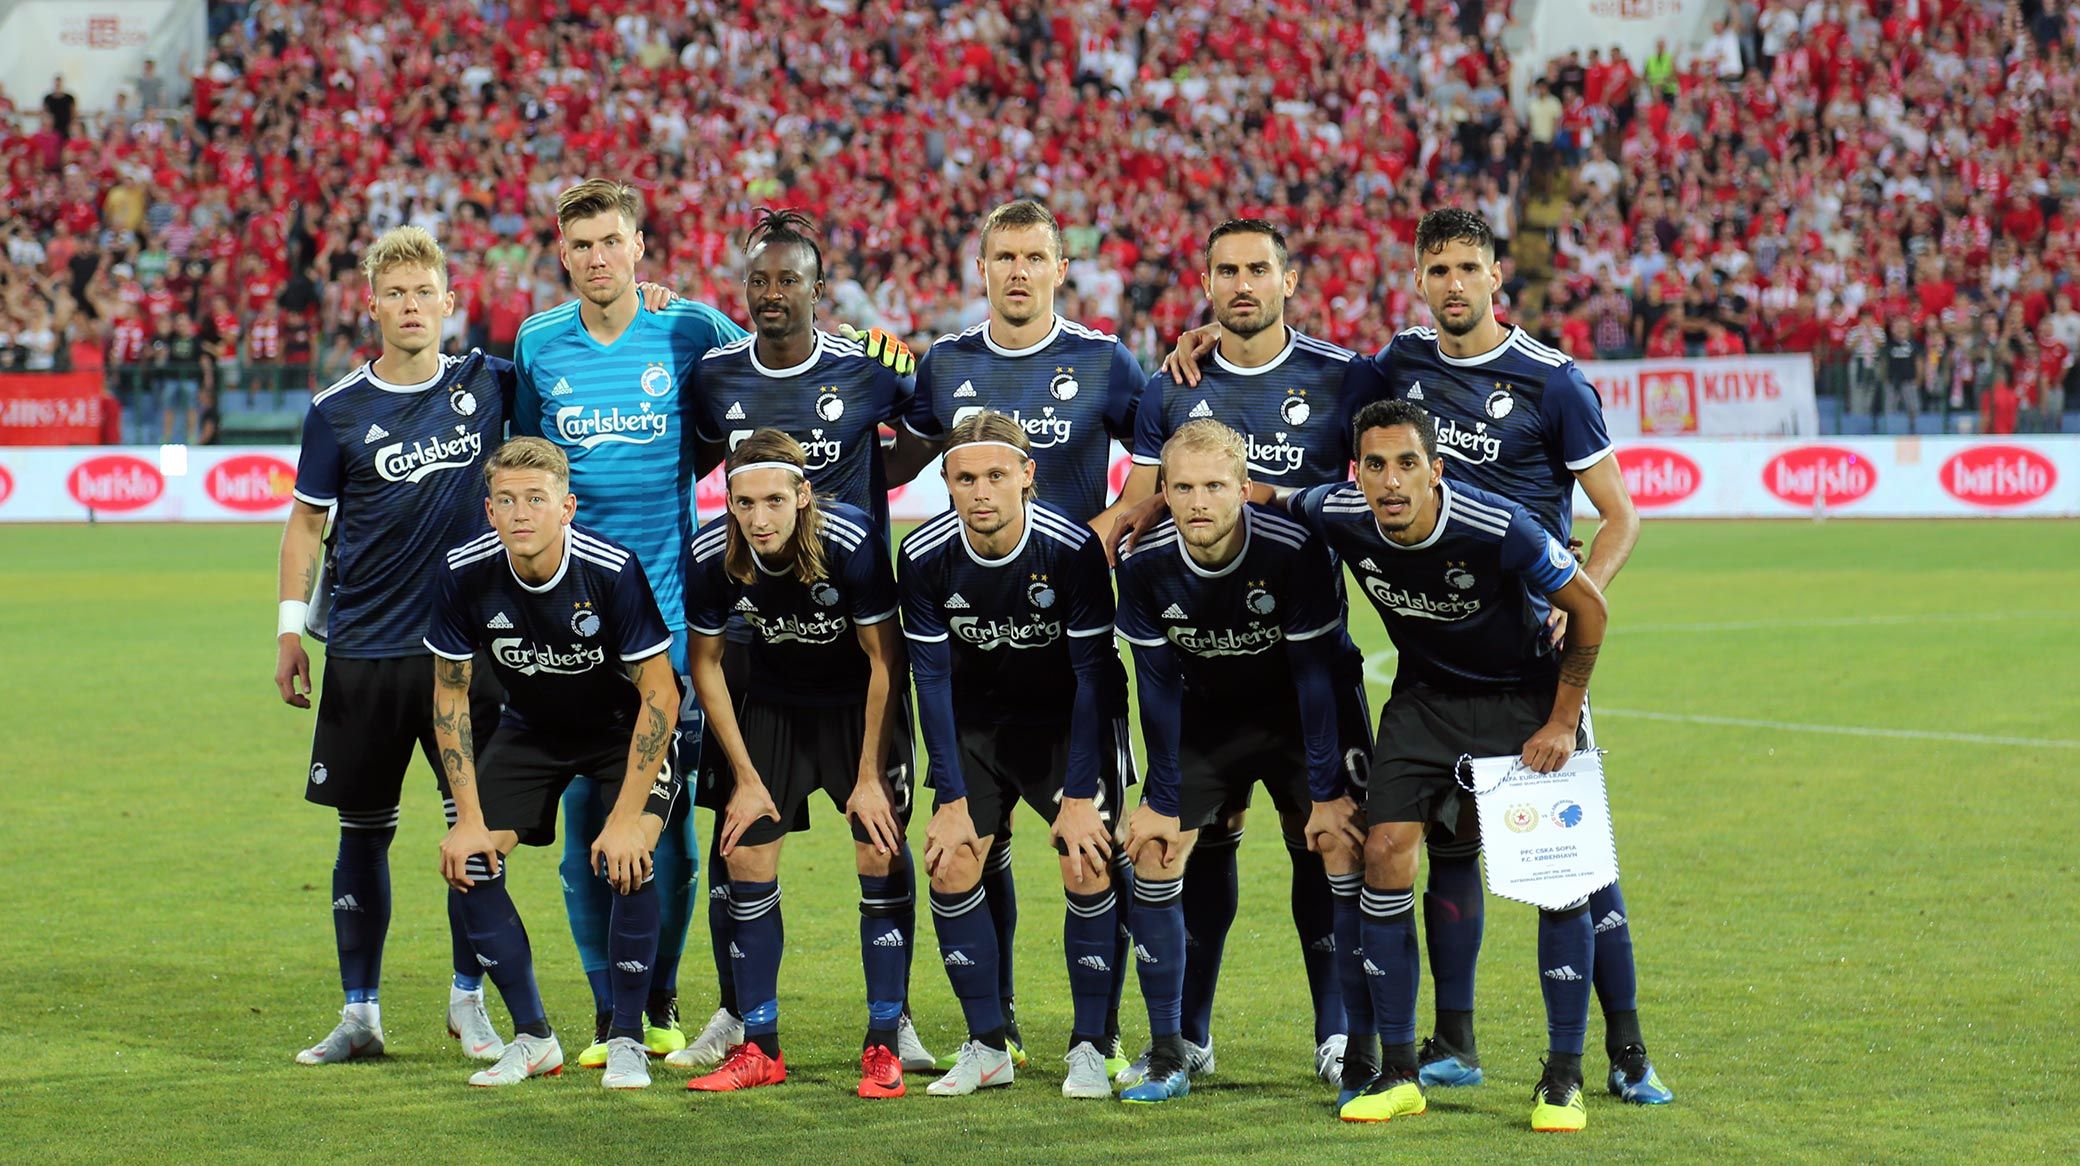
1292	412
1518	421
560	649
1466	607
804	650
1073	391
1230	637
403	463
833	403
1025	639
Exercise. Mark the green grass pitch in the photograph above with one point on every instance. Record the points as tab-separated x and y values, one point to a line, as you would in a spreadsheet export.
1841	757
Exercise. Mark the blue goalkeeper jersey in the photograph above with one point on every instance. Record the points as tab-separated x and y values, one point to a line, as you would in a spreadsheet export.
624	415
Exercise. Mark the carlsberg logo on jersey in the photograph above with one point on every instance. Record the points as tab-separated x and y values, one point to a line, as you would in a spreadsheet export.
1474	445
590	428
528	659
819	628
1278	456
1227	641
822	451
409	463
1419	604
991	634
1044	431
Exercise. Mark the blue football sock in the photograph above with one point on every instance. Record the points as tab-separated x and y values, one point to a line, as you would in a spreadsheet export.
469	975
907	920
500	941
1122	940
1157	920
1089	927
1391	967
1000	894
587	898
632	946
1210	901
1314	920
886	912
1349	921
1617	980
675	867
1453	920
968	948
1566	947
721	928
760	937
361	901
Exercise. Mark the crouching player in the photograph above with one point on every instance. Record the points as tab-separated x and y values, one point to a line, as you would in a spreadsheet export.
1232	610
819	711
1020	692
576	638
1463	580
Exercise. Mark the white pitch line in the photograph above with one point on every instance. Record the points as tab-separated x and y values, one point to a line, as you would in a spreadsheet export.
1842	730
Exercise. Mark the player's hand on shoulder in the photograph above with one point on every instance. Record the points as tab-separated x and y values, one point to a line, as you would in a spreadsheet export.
1556	627
463	840
1334	825
1192	347
1082	835
655	295
622	851
1549	748
748	804
292	671
874	809
885	347
1134	522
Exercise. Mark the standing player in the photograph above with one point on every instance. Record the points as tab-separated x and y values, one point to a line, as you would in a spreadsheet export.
1463	580
1236	621
606	380
1519	420
1020	693
819	710
1288	394
1072	391
395	447
575	635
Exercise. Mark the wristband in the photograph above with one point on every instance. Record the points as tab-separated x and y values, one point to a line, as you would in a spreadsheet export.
290	619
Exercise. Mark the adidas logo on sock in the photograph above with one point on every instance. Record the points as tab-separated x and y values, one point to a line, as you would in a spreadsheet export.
735	412
345	903
486	961
1174	612
957	959
1563	973
1325	943
375	434
562	389
1202	409
718	891
967	389
735	952
632	967
500	623
1373	969
889	939
1143	954
1610	922
1415	391
954	602
1097	963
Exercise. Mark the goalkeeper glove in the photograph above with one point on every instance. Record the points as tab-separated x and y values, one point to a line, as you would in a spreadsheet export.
884	347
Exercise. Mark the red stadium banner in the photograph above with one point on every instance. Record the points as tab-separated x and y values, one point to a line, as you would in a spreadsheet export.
51	408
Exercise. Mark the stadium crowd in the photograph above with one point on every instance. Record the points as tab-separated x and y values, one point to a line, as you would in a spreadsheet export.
1889	184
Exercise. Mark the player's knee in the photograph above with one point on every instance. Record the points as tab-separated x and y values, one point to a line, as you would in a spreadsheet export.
958	873
1233	823
1390	854
755	864
368	828
1292	828
869	861
1089	880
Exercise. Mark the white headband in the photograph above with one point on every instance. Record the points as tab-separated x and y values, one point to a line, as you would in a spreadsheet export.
790	467
1023	455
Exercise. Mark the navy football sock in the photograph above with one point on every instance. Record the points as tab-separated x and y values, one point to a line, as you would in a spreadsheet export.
721	928
632	946
1000	893
1089	926
885	912
1210	899
760	937
587	898
675	867
500	940
361	900
1157	919
906	871
968	948
1566	945
1314	920
1349	921
1122	941
1617	981
469	976
1392	970
1452	923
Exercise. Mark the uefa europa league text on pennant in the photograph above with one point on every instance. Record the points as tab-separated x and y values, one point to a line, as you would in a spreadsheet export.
1547	836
